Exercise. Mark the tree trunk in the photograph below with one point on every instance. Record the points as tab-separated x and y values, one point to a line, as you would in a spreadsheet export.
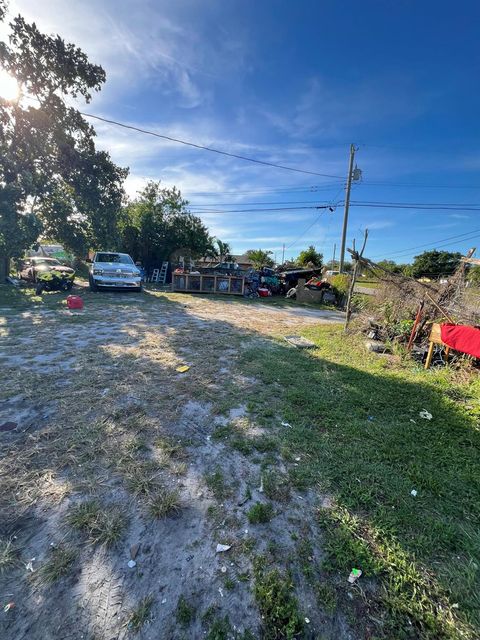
4	268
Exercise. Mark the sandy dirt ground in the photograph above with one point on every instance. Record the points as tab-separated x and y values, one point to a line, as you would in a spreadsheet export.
102	418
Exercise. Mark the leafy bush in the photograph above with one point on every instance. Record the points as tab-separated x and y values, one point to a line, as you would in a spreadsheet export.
340	284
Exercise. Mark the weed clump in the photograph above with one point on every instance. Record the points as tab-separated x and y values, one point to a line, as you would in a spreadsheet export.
278	606
103	524
185	612
164	503
260	513
58	565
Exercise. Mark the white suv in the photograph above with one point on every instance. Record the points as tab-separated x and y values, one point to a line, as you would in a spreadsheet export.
117	270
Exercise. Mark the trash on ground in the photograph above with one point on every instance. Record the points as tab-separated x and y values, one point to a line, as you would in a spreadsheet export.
183	368
413	493
300	342
354	575
375	346
8	426
131	564
286	424
426	415
8	606
223	569
297	459
260	488
220	591
307	620
74	302
370	418
164	601
29	565
134	549
222	547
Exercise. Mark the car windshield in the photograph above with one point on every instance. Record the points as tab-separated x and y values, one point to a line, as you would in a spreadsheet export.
50	261
122	258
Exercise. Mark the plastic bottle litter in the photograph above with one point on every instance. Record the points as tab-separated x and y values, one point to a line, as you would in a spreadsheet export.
29	565
413	493
8	606
131	564
426	415
354	575
222	547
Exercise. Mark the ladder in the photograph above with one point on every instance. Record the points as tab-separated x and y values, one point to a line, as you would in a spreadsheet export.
163	273
155	275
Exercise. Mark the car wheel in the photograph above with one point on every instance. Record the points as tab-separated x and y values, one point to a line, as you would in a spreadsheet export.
93	286
139	289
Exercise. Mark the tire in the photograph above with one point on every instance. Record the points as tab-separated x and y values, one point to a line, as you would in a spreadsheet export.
93	286
139	289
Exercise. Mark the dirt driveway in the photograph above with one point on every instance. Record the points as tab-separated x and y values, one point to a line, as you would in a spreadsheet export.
117	483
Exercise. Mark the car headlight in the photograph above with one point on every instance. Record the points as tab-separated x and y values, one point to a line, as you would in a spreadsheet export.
98	272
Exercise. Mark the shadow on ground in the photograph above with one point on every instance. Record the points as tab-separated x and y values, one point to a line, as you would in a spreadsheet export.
354	450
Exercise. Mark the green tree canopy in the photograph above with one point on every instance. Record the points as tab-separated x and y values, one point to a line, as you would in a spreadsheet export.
260	258
51	175
157	223
310	257
434	264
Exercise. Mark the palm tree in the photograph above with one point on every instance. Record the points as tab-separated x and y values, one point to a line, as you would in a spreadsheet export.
224	250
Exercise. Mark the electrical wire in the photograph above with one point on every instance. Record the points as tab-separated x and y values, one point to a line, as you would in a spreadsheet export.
471	235
412	205
260	210
204	148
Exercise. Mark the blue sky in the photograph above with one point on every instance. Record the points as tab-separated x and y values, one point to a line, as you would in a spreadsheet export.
293	83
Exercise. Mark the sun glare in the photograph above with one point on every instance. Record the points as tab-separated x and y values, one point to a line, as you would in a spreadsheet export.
8	86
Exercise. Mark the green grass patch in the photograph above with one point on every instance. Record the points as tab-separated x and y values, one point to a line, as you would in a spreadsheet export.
164	502
59	564
260	513
217	484
104	524
276	486
357	435
185	612
274	595
8	554
140	615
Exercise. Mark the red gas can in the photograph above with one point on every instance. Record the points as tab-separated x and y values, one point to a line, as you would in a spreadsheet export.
74	302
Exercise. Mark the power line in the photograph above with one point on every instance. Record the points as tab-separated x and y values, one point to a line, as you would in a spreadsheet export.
410	205
260	210
248	204
419	186
204	148
463	237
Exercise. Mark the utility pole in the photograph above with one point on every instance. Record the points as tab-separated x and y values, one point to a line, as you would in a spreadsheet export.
283	254
347	204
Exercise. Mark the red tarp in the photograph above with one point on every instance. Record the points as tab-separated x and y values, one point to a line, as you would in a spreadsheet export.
462	337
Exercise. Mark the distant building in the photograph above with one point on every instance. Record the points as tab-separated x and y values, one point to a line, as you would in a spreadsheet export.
243	262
